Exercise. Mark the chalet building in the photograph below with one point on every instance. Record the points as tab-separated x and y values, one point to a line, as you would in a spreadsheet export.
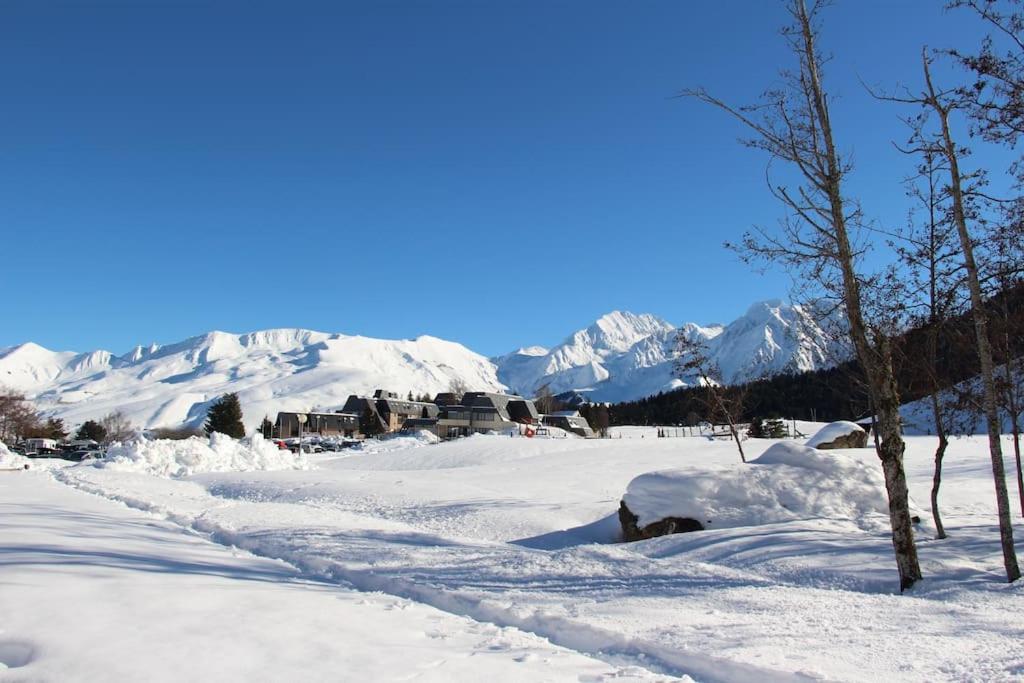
570	421
478	411
386	412
325	424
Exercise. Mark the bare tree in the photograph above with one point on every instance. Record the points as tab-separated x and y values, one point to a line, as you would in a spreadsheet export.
996	98
545	400
692	361
932	275
793	125
18	418
458	387
932	135
118	427
996	106
1010	382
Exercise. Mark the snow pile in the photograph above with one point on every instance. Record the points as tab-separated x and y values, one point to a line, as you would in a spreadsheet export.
181	458
788	482
11	461
833	431
398	442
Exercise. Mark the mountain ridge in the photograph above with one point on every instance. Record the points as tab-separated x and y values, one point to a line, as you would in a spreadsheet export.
621	356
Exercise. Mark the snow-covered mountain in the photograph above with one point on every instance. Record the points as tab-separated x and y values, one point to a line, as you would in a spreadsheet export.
625	356
272	370
622	356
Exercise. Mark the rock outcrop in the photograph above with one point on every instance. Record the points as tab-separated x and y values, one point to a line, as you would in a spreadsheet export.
663	527
839	435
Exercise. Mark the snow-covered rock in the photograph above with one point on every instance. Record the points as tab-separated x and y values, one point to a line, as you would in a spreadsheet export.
841	434
181	458
787	482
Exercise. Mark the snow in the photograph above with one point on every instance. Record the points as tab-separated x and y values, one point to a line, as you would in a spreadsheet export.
918	417
620	356
396	442
787	482
184	457
624	356
95	591
11	461
833	431
270	370
520	535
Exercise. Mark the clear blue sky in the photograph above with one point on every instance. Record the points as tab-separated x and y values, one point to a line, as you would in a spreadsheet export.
496	173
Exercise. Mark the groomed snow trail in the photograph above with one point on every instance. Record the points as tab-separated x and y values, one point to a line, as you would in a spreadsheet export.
93	590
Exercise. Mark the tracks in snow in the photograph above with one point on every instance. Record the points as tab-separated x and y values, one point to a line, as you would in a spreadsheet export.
484	582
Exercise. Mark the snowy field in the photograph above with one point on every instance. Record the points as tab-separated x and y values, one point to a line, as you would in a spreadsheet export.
485	558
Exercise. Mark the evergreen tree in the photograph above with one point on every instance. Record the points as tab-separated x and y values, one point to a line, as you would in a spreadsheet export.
267	428
91	429
225	416
775	428
55	429
601	419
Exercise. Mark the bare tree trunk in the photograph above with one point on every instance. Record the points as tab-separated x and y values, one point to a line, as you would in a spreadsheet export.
1014	410
1020	474
937	414
732	425
940	453
877	366
981	334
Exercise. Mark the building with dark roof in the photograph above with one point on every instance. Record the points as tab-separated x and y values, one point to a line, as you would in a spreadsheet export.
325	424
386	412
478	411
570	421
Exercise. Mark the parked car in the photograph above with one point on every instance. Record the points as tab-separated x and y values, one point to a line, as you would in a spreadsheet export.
80	455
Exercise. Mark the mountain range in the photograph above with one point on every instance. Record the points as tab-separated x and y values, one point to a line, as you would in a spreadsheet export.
621	356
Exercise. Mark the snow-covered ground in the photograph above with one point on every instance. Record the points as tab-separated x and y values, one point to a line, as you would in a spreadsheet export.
508	538
94	591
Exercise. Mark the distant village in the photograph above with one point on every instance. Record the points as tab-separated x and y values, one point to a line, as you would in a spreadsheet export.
449	415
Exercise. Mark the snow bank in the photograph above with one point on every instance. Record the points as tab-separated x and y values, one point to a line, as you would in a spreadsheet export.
181	458
833	431
12	461
788	482
398	442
